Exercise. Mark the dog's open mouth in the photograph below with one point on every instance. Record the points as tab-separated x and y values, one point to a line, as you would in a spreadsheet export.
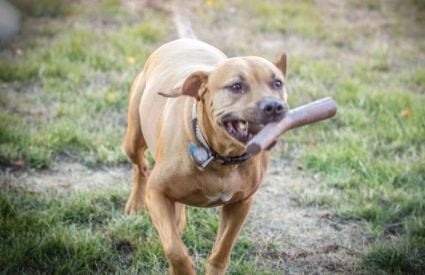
241	130
238	129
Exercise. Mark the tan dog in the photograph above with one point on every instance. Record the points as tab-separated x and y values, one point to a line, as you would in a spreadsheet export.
234	98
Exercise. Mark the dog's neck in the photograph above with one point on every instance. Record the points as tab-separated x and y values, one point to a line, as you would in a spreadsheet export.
217	138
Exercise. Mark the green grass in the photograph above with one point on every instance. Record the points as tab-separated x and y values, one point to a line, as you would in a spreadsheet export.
81	79
287	17
43	8
87	233
373	152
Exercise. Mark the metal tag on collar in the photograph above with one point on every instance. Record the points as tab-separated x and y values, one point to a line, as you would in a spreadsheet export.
199	156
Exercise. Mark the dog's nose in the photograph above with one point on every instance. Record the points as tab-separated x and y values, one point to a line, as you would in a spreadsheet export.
273	109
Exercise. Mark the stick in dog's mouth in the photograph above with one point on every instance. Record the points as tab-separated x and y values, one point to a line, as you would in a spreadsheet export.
310	113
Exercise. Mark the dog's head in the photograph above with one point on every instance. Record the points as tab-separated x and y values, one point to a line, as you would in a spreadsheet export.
241	95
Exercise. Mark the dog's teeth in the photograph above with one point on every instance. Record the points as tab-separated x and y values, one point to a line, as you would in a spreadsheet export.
242	125
238	129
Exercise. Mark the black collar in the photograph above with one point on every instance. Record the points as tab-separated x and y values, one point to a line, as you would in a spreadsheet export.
202	155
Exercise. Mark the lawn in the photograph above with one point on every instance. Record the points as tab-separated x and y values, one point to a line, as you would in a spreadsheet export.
64	83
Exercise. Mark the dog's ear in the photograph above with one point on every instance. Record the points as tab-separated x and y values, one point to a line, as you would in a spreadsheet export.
191	86
281	63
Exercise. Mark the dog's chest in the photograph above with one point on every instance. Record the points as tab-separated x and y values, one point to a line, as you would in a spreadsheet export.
219	190
220	198
211	188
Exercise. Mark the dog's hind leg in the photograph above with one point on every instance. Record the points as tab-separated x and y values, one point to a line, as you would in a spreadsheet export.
135	147
136	200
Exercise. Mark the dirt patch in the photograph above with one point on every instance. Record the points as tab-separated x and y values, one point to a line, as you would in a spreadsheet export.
307	237
65	177
125	249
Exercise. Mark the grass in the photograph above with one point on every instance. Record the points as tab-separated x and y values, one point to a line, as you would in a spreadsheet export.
78	78
287	17
373	152
64	91
87	233
43	8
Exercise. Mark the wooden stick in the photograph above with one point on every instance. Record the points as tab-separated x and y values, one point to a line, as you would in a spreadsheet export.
315	111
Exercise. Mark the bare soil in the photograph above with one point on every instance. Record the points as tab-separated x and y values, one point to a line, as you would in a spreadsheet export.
307	237
64	177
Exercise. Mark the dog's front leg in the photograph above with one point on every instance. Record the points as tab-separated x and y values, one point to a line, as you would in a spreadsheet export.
232	219
163	215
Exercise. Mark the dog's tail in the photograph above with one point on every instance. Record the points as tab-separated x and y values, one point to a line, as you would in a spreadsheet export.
181	19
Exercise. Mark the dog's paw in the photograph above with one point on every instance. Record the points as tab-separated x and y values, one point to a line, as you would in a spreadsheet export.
134	206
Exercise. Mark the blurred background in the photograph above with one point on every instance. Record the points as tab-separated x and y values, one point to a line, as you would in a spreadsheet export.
343	196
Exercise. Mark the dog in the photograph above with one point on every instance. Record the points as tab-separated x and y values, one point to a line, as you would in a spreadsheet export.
195	109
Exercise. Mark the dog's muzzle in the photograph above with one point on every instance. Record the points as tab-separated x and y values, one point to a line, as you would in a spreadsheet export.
244	126
272	110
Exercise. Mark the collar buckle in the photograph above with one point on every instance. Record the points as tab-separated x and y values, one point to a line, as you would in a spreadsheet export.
200	156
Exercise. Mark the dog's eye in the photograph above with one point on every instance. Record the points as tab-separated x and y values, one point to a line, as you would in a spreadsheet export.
277	84
236	87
